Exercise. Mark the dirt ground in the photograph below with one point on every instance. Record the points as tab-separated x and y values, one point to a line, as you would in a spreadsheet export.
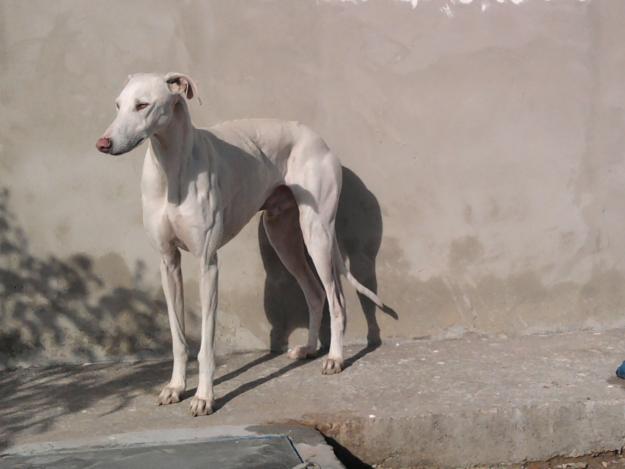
599	461
609	460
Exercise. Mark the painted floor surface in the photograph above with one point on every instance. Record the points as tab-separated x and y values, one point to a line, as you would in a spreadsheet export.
264	452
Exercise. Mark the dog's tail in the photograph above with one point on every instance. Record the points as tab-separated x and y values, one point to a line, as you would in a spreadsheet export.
341	264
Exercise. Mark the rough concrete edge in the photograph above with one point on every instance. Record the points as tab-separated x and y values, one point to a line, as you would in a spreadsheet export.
477	437
307	442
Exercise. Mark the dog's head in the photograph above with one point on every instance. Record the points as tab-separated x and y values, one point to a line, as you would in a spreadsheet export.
145	106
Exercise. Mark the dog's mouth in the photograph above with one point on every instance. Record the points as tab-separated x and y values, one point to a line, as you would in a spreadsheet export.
139	142
135	144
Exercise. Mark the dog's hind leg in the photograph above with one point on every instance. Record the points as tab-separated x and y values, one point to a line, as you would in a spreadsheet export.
284	234
315	178
319	238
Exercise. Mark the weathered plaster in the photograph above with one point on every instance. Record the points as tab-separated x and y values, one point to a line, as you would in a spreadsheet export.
485	185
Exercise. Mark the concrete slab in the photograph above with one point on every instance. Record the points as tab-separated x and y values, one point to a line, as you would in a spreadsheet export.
458	402
223	447
261	452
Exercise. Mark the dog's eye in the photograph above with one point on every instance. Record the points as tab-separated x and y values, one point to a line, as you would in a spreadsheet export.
117	106
141	106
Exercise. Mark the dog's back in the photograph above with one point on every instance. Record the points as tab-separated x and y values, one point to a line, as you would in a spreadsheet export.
273	139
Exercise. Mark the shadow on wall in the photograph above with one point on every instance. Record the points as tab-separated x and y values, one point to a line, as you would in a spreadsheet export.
359	232
60	310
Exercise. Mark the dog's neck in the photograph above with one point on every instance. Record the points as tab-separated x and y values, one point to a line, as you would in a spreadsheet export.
172	146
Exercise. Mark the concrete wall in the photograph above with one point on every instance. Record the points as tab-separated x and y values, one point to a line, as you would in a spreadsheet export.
483	146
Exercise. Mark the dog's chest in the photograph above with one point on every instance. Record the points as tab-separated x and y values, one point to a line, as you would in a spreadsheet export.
183	224
189	223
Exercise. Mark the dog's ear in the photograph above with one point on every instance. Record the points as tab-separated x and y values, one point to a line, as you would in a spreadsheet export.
182	84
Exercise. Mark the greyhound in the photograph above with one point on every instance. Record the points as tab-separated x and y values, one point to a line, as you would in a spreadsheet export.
200	187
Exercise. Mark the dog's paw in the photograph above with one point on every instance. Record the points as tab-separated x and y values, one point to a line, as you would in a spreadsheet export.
331	366
169	395
301	352
201	406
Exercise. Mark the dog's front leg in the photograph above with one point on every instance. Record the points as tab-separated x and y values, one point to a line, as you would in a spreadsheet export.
202	402
171	276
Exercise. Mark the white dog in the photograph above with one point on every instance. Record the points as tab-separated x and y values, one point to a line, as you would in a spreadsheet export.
200	187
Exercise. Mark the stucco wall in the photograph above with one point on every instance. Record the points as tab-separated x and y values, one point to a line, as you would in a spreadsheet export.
483	141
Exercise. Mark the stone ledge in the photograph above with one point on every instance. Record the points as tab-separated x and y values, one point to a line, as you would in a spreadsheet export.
457	402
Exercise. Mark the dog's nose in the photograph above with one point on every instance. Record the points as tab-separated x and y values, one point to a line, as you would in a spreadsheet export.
104	144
